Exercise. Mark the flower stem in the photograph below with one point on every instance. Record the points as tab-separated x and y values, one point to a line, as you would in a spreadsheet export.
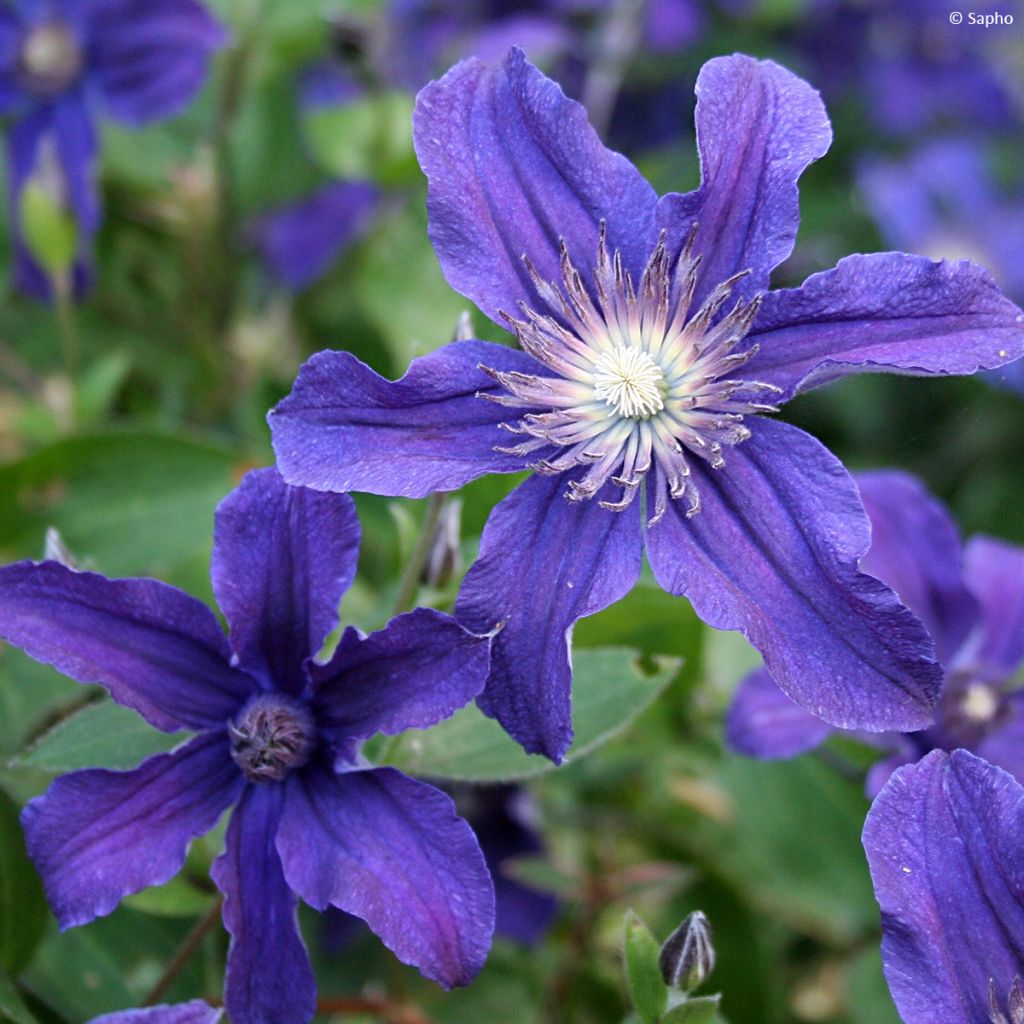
64	305
184	953
417	561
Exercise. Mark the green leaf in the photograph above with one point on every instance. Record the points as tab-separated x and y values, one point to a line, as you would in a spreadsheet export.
101	735
12	1008
701	1010
646	987
50	232
176	898
609	690
23	911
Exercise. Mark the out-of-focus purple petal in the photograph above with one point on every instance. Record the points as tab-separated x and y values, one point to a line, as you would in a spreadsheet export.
269	977
346	428
542	36
1004	745
392	851
155	648
514	168
11	32
422	667
758	127
994	572
282	559
195	1012
672	24
764	723
943	840
326	84
544	563
299	242
881	771
886	311
96	836
915	549
773	552
150	57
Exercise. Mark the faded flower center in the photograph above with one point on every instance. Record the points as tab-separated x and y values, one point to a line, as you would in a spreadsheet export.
271	737
638	383
51	58
980	703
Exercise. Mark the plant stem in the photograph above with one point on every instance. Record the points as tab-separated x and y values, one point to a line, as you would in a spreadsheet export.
184	953
620	38
418	560
64	305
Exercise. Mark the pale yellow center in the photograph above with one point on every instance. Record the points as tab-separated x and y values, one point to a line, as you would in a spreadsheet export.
980	703
51	57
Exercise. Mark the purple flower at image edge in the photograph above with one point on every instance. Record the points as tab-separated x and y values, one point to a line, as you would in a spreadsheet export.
650	348
64	61
970	599
195	1012
279	737
943	841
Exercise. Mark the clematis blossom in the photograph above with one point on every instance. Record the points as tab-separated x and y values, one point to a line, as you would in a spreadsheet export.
650	353
278	738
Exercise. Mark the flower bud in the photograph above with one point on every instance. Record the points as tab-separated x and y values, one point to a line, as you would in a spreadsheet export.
1015	1004
443	556
687	956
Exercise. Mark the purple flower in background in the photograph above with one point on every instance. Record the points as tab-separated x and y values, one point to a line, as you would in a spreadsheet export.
649	350
195	1012
279	735
944	843
972	603
64	61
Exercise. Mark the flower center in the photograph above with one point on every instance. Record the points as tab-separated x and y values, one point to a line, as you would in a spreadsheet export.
629	380
50	59
638	384
271	737
980	703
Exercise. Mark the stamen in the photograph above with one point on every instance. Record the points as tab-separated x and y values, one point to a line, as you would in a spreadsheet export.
50	58
630	380
271	737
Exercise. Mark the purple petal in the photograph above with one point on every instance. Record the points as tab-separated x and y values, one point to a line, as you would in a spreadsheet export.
150	56
513	168
282	559
758	127
1004	746
299	242
392	851
346	428
764	723
155	648
195	1012
994	571
544	563
97	836
887	311
881	771
943	840
773	552
420	669
672	24
269	977
915	549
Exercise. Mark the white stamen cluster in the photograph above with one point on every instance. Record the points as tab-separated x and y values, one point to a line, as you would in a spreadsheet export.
638	385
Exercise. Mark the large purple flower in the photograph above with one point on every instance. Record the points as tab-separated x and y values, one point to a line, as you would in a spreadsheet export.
972	603
61	61
650	349
943	840
279	735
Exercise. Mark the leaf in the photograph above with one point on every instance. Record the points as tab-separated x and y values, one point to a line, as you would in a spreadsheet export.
609	691
23	910
646	987
50	232
701	1010
100	735
12	1009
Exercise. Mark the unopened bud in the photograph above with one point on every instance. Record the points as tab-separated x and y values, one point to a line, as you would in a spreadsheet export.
464	328
687	956
443	559
56	550
1015	1004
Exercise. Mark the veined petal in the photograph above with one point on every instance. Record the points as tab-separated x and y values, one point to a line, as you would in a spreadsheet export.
392	851
758	127
96	836
269	978
943	840
994	571
884	312
155	648
773	552
422	667
282	559
513	168
194	1012
544	563
346	428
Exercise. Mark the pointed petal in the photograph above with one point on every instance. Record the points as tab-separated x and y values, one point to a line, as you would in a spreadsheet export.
884	312
269	978
943	840
346	428
155	648
773	552
282	559
97	836
544	563
392	851
195	1012
422	667
995	574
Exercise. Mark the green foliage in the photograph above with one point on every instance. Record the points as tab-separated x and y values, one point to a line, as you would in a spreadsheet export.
49	230
646	988
23	910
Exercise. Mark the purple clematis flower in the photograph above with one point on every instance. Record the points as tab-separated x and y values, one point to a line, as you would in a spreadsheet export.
279	735
62	61
650	349
195	1012
943	841
972	603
